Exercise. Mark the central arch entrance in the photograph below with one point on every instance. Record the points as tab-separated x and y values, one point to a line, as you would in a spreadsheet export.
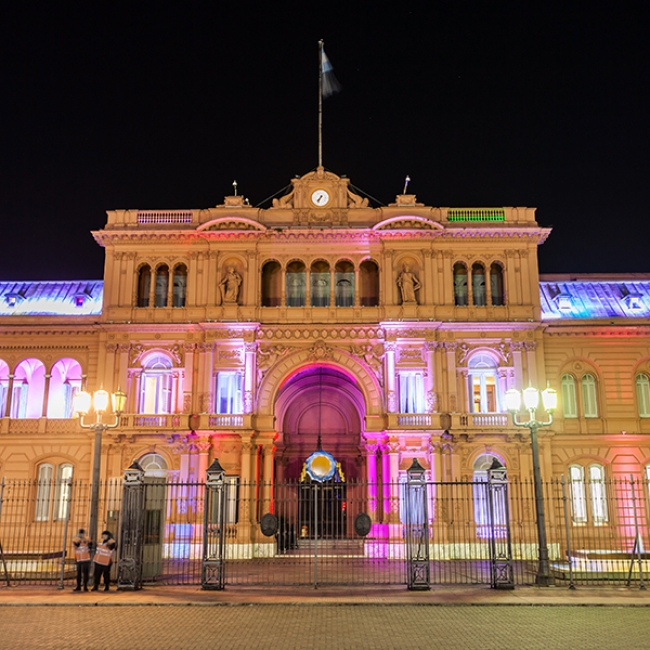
319	403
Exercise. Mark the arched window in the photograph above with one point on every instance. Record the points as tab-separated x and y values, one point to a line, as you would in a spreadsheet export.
271	284
296	284
144	286
481	492
154	465
569	402
369	281
478	284
643	395
482	378
344	283
180	286
496	285
157	385
460	285
162	286
65	382
53	490
320	284
28	389
589	398
4	387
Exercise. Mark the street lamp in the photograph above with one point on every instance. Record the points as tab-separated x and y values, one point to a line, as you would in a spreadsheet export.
97	405
531	402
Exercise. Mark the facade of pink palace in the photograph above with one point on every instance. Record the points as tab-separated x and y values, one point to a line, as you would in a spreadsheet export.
390	333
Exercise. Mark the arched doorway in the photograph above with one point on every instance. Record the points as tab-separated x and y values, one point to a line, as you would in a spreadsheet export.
319	402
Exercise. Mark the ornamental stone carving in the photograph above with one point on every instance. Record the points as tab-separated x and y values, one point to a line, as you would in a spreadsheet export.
230	285
267	355
320	350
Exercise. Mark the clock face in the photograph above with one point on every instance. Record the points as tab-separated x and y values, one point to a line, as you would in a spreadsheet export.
320	198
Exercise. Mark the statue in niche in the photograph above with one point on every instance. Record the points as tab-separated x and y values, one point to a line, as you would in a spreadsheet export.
230	285
408	284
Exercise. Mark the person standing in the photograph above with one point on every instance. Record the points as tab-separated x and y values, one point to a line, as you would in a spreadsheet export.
82	558
103	560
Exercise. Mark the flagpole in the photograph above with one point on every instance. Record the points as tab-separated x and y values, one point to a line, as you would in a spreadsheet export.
320	103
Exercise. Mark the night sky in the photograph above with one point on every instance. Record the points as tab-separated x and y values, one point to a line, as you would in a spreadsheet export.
163	105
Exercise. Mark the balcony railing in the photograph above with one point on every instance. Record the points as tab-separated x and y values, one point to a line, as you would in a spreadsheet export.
483	420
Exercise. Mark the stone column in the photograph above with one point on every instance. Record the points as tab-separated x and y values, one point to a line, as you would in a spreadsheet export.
450	349
245	490
517	361
283	288
370	453
268	456
391	397
249	376
188	379
357	288
531	363
385	481
432	398
393	454
46	394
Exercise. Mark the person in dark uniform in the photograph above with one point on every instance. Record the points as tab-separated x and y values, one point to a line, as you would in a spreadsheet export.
82	557
103	560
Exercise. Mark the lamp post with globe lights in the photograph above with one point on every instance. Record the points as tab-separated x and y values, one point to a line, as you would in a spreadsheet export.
95	406
531	404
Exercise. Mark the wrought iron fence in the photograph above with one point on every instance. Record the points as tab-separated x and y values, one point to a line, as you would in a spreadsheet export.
475	534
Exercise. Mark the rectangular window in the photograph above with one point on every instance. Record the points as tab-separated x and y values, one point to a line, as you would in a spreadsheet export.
230	502
320	289
229	393
578	495
344	283
411	392
598	494
62	492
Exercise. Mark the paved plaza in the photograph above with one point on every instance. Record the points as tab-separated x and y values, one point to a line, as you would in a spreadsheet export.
189	619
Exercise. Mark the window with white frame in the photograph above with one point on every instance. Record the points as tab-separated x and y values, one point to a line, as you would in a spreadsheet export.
578	494
595	509
481	493
411	392
53	491
569	401
156	385
483	383
229	392
589	396
411	505
598	494
643	395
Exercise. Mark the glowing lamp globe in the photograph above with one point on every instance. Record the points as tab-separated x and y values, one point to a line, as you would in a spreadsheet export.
100	400
531	398
81	402
549	398
513	400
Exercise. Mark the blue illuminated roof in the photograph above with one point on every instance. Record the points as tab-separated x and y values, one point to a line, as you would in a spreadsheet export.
56	298
579	299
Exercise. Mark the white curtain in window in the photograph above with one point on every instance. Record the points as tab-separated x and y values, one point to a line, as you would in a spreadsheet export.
589	401
44	492
344	289
296	283
156	387
320	289
643	395
569	402
229	392
578	496
598	494
62	491
411	392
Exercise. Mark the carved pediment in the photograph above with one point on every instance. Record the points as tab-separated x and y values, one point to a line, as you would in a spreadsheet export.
407	223
231	223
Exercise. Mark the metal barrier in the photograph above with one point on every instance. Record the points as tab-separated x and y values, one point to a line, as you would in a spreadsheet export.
332	533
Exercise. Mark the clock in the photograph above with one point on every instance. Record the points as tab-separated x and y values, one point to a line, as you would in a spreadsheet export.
320	198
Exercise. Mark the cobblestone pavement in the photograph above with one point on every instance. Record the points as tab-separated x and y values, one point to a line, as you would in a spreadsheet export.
330	627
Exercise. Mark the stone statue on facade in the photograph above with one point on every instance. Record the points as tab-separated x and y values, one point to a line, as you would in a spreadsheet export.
408	284
230	285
